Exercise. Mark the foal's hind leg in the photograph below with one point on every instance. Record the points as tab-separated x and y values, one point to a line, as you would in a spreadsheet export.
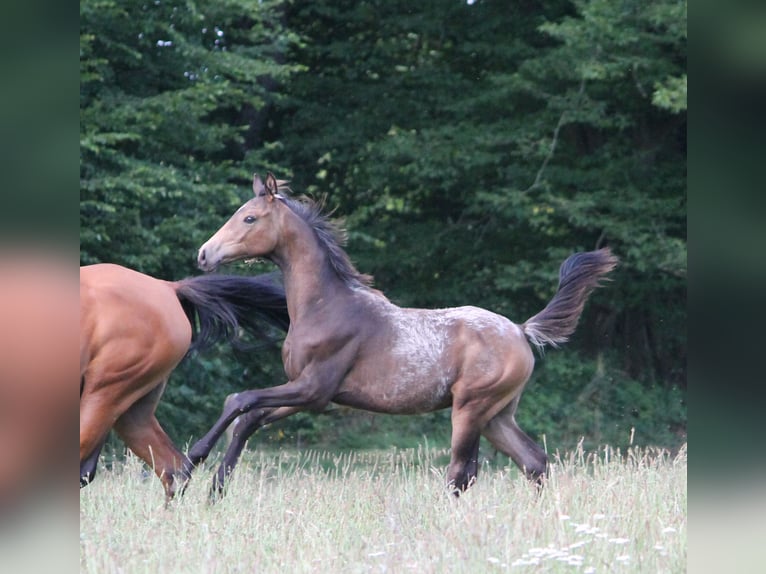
503	432
246	425
464	463
140	430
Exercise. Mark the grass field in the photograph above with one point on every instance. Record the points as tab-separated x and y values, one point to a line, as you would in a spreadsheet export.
294	512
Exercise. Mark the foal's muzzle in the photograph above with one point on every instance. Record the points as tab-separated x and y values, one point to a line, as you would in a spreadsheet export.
202	261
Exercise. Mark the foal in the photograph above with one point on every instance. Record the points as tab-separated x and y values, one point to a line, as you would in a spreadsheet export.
350	345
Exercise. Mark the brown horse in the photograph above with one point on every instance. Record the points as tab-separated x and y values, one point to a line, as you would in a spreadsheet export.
134	330
350	345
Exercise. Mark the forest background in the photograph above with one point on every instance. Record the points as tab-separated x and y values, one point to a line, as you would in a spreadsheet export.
468	146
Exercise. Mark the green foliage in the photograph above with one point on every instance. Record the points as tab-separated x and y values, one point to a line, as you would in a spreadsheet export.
168	93
469	147
571	399
342	428
670	94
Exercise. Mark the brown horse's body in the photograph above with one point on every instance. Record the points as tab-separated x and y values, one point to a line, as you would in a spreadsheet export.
348	344
133	334
134	330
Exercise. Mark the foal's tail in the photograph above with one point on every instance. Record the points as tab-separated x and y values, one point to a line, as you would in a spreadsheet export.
579	275
218	305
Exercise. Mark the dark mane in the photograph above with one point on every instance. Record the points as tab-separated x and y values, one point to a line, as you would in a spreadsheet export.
331	237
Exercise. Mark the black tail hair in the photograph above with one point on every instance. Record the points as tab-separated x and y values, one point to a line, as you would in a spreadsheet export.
579	275
219	305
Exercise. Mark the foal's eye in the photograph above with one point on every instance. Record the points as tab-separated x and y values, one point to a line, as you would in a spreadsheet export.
249	219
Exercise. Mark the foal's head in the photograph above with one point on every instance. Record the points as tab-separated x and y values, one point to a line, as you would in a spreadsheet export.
253	230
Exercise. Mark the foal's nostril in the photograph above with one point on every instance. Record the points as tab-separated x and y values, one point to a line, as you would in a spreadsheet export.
201	257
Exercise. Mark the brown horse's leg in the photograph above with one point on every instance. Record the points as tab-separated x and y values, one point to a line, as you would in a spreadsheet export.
463	465
90	464
246	425
94	428
503	432
142	433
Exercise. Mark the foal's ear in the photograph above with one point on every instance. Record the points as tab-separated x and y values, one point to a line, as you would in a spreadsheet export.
272	185
258	188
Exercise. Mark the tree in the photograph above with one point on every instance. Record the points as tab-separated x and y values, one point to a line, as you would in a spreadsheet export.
168	92
470	148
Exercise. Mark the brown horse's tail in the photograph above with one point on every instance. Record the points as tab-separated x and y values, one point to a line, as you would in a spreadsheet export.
219	306
580	274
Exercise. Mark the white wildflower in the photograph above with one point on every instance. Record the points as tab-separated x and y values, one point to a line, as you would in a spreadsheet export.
619	540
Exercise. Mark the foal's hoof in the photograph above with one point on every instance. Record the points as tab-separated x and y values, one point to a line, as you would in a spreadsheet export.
218	488
197	454
216	493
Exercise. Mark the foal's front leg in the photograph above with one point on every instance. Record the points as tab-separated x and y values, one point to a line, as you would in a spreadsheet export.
302	393
245	428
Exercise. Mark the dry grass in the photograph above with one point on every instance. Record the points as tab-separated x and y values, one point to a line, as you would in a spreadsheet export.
290	513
